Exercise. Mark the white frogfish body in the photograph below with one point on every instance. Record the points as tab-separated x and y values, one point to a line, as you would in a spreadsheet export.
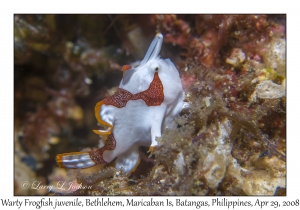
149	97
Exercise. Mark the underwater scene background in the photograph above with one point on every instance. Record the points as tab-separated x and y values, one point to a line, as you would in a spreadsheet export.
229	140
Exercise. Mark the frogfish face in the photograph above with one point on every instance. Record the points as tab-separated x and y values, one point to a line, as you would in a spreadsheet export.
149	97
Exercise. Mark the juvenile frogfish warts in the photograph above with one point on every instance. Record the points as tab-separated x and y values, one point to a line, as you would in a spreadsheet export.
149	97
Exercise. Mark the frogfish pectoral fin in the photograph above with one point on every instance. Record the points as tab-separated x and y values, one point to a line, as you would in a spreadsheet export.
103	132
100	120
151	150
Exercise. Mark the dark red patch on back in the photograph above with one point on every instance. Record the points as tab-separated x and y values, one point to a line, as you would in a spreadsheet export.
153	96
119	99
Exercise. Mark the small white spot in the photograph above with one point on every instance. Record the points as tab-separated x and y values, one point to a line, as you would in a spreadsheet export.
207	101
84	157
88	81
80	165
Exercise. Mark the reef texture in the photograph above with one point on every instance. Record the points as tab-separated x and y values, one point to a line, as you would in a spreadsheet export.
230	139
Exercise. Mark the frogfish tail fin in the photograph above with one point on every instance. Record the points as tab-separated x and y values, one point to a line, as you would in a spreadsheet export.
74	160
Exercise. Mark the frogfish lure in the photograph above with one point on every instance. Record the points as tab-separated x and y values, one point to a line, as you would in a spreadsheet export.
148	98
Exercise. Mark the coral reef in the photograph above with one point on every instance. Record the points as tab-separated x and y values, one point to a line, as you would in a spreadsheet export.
230	138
